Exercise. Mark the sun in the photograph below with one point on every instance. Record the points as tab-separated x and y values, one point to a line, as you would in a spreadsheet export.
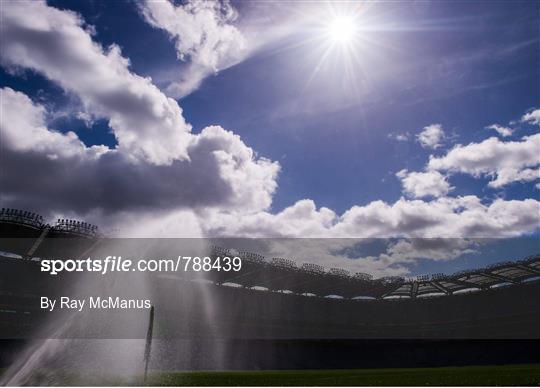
342	29
340	36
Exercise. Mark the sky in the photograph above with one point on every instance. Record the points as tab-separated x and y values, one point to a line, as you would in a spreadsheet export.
411	119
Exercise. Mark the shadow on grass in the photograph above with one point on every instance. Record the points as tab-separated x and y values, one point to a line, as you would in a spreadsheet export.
528	375
504	375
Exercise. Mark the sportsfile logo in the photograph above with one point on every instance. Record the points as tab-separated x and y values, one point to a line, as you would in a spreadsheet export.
111	264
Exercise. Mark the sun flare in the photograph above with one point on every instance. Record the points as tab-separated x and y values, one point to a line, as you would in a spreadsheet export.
342	29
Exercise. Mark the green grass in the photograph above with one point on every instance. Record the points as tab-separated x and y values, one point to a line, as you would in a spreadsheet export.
528	375
471	375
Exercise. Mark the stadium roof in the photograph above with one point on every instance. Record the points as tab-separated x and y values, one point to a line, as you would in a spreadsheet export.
275	274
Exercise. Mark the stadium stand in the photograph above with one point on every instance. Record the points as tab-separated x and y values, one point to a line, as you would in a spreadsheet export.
282	314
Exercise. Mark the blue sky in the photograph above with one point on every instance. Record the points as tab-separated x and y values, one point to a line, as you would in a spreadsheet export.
340	156
460	70
340	117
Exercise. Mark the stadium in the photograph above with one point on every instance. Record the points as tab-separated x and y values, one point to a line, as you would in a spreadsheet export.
274	314
269	193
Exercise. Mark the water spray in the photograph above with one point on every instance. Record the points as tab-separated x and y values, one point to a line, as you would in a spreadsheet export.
148	346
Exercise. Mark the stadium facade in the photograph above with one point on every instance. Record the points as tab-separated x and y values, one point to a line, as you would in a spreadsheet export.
294	316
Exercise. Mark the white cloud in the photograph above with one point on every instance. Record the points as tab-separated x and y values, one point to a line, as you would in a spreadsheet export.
532	117
446	217
503	131
442	229
431	137
431	248
203	34
508	162
157	164
302	219
423	184
147	125
509	175
51	172
23	129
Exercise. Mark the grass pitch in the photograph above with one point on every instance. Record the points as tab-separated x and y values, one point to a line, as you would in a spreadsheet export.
504	375
528	375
